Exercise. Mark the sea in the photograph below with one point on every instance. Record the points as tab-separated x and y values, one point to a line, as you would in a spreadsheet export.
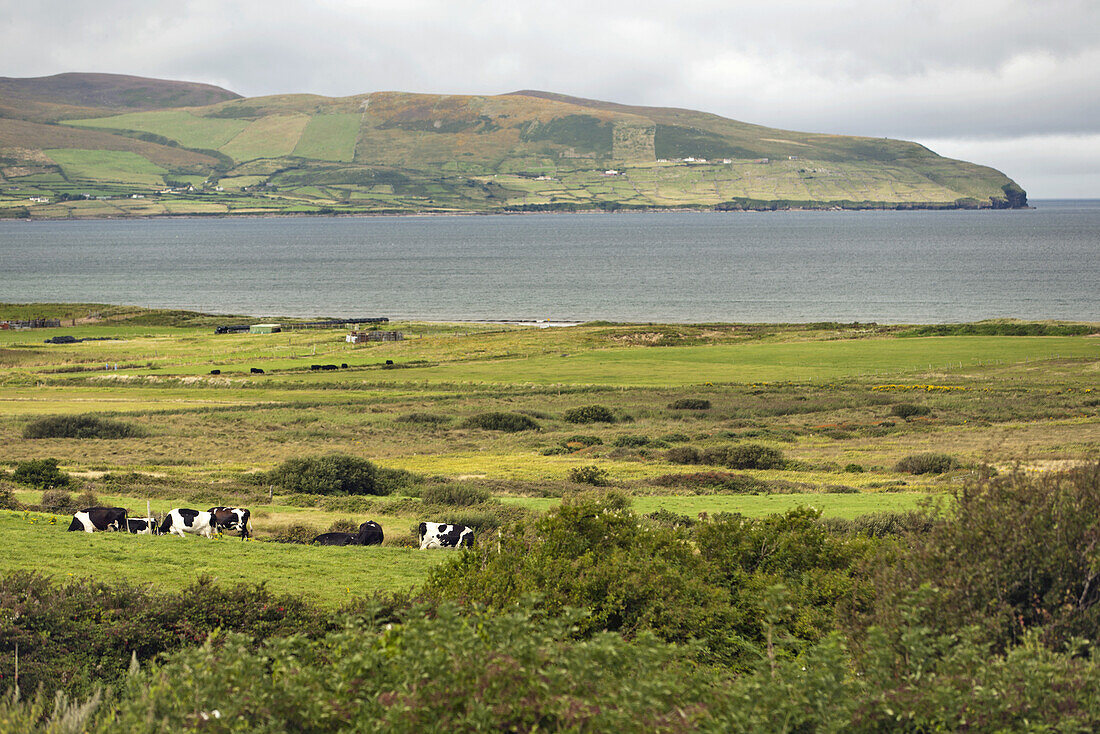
786	266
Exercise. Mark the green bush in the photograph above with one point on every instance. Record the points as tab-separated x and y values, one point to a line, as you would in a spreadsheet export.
581	441
80	634
7	498
592	554
882	524
508	422
589	414
683	455
590	474
438	668
40	474
909	410
854	468
294	533
455	495
629	441
59	502
689	404
929	463
80	426
330	474
1007	555
753	456
343	525
713	481
675	438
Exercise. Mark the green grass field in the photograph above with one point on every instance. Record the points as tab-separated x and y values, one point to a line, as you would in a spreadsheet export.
329	576
108	165
824	397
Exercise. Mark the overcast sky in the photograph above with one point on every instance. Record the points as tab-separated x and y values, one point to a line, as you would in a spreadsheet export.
1015	85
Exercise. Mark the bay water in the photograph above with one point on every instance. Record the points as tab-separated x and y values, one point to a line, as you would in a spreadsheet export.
881	266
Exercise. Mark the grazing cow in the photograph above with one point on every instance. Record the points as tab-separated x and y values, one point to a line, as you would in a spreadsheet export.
142	526
256	370
99	518
232	518
439	535
182	520
343	365
370	533
215	372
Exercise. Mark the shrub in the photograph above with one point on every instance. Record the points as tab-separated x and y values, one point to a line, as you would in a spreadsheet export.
854	468
683	455
387	481
753	456
455	495
668	519
509	422
40	474
881	524
589	414
294	533
343	525
629	441
7	498
330	474
689	404
590	474
424	418
80	426
714	481
1008	554
675	438
927	464
58	502
909	410
581	441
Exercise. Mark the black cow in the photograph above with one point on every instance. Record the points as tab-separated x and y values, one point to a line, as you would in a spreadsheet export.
99	518
440	535
256	371
142	526
232	518
370	533
215	372
343	365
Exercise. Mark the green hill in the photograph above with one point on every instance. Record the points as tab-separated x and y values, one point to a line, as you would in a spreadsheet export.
105	145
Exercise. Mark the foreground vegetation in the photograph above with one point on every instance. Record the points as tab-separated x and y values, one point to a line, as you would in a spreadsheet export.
718	528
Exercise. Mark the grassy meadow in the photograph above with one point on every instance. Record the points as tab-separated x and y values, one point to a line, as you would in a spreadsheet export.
826	397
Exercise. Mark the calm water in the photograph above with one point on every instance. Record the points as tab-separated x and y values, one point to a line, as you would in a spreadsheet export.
783	266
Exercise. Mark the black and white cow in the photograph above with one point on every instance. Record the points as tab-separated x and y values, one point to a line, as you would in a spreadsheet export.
182	520
232	518
142	526
95	519
370	533
439	535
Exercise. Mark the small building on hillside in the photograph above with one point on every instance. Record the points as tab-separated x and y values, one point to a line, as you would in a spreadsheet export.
360	337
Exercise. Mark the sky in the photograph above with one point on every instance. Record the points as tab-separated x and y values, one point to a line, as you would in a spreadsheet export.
1006	83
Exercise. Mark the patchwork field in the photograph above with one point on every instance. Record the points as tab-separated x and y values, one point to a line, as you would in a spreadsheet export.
840	408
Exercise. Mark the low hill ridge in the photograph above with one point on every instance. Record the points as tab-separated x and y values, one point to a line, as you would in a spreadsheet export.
197	148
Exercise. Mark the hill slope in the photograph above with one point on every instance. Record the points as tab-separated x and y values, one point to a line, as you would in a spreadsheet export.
89	143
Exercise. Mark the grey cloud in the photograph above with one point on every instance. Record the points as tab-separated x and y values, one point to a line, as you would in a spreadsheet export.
936	69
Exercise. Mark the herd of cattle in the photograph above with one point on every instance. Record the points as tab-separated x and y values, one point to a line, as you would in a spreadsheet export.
209	523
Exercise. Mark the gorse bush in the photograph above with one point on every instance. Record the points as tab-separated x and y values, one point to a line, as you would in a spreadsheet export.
690	404
589	414
40	474
1008	555
753	456
909	410
629	441
331	474
590	474
58	502
455	495
929	463
80	426
713	481
581	441
508	422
